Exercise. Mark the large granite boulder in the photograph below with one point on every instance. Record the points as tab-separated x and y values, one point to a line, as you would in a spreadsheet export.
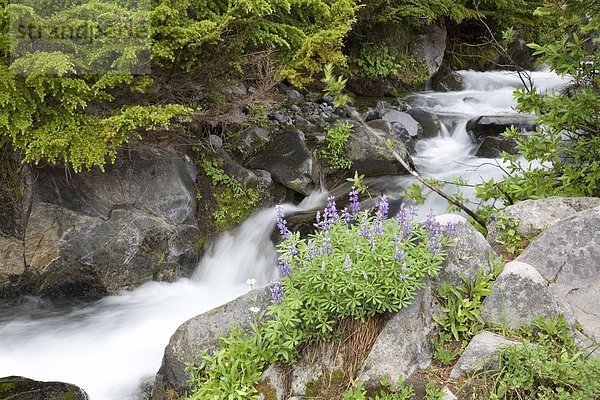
202	333
520	294
289	161
430	47
470	254
403	346
567	256
94	233
534	216
20	388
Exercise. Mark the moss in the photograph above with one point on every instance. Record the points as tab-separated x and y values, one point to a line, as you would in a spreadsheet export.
265	388
68	396
6	387
158	266
327	385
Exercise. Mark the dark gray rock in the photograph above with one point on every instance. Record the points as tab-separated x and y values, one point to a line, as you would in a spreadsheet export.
398	117
372	152
535	216
202	333
430	47
493	147
403	346
20	388
289	161
430	123
485	126
93	233
447	80
253	138
295	97
481	353
382	125
519	295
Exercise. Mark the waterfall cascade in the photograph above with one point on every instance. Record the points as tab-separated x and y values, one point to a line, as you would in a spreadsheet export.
112	346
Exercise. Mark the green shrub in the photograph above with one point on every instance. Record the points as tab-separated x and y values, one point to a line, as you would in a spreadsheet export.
234	202
565	148
548	365
336	140
355	265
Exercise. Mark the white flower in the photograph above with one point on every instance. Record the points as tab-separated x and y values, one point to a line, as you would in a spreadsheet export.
250	281
255	310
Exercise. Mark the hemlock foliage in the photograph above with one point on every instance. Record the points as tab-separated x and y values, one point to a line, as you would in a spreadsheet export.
108	68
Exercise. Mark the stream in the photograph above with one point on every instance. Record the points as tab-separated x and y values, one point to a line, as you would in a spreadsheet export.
113	346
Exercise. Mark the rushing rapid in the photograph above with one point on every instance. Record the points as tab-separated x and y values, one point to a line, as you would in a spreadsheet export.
111	347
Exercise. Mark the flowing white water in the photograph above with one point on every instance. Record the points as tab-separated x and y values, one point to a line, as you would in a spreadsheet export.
451	154
112	346
108	348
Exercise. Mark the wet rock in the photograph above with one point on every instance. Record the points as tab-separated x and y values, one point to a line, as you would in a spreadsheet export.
492	147
485	126
409	123
520	294
202	333
107	231
535	216
430	47
382	125
481	353
403	346
20	388
371	152
447	80
427	120
289	161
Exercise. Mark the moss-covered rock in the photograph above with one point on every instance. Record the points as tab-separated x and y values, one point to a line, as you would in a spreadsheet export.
20	388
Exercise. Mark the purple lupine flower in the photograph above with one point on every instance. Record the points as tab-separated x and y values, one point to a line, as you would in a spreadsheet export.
330	215
277	292
384	207
404	218
284	268
402	275
312	249
365	228
282	223
345	216
451	229
400	255
327	246
354	205
434	229
348	263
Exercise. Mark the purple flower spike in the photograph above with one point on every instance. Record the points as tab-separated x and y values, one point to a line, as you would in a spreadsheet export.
354	205
282	223
284	268
435	230
345	216
384	207
451	229
348	263
276	292
404	218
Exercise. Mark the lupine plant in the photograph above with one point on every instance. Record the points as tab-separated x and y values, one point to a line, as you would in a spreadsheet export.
356	264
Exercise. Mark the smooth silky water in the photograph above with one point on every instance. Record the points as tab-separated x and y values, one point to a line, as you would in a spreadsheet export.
114	345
